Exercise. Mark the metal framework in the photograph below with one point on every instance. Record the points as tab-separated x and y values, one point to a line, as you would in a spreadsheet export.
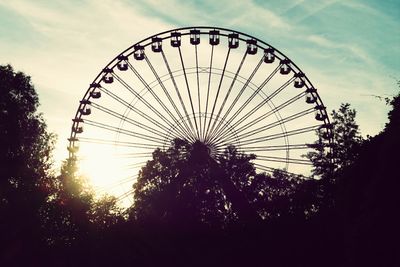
208	84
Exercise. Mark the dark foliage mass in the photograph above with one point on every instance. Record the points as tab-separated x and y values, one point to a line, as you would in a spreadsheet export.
25	148
191	209
185	187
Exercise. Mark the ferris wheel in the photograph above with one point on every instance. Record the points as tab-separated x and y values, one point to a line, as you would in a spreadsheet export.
211	85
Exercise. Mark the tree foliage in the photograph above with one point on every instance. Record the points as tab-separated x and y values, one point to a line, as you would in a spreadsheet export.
25	162
367	197
347	138
185	186
179	186
37	208
65	215
25	143
347	141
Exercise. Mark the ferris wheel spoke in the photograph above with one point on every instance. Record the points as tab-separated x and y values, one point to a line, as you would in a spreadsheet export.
227	94
256	108
284	160
272	170
198	89
251	149
129	120
148	105
110	186
117	143
138	111
281	135
216	97
208	91
125	195
134	154
239	95
189	94
269	126
259	88
136	165
269	113
124	131
159	101
185	127
178	93
131	156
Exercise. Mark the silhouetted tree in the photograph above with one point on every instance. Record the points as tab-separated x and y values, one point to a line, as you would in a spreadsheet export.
184	186
66	214
179	187
345	147
74	213
105	212
347	138
25	160
38	210
367	198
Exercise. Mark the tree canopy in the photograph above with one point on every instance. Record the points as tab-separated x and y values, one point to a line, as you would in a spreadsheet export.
185	186
347	141
25	162
39	211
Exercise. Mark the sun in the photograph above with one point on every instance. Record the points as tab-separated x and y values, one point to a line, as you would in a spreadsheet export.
108	169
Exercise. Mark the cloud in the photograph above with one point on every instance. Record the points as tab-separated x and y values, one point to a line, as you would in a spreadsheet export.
308	9
321	41
350	49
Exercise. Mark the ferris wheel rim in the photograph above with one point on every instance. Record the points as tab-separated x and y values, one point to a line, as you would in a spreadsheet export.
115	59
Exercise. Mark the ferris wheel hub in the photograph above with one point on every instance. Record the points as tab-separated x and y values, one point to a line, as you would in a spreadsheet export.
201	151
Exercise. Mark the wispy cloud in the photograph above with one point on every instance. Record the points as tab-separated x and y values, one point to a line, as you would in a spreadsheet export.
349	49
312	8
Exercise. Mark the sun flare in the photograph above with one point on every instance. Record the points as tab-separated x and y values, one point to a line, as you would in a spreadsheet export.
108	170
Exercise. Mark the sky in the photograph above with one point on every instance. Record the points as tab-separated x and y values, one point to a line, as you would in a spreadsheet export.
350	50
